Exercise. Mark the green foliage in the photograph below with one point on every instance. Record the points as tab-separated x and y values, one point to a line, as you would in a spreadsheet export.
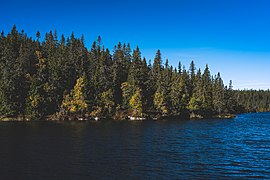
13	86
219	95
160	102
107	102
38	101
36	76
207	91
195	105
250	100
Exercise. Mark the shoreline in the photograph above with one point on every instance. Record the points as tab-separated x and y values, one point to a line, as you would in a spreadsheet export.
129	118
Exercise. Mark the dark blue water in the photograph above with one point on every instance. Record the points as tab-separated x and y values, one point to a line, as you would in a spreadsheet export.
175	149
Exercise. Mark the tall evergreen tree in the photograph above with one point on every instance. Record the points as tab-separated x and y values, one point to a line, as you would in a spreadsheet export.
157	68
195	105
230	100
192	77
38	98
218	95
121	63
160	102
137	76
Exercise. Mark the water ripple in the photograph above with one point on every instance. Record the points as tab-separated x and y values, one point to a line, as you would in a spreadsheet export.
172	149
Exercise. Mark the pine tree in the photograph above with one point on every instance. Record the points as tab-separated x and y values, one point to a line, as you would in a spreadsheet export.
38	100
24	70
127	90
160	102
165	85
107	102
176	94
218	95
207	92
137	76
49	52
192	77
179	68
121	62
230	100
157	68
195	105
102	78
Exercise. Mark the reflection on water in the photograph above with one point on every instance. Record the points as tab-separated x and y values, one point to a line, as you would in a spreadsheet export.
174	149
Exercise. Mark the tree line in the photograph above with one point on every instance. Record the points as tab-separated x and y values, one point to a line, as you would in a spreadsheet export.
253	100
63	79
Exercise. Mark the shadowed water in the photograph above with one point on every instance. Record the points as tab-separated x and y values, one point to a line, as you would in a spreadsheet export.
172	149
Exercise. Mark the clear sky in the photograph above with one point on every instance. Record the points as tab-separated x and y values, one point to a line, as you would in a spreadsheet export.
232	36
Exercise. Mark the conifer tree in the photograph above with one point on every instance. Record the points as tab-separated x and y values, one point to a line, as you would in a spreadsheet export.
192	77
121	62
195	105
38	99
127	90
218	95
107	102
230	100
207	92
36	76
160	102
11	80
157	68
165	85
176	94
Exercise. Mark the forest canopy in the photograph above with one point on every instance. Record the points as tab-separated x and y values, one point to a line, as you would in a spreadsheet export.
62	77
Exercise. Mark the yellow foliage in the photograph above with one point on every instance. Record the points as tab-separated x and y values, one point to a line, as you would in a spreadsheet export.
34	100
74	102
136	103
72	108
107	100
96	112
160	102
46	87
125	88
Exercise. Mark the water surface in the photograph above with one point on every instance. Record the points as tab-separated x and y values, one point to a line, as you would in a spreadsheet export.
172	149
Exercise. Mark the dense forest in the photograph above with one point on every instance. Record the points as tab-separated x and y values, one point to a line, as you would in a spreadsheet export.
62	79
253	100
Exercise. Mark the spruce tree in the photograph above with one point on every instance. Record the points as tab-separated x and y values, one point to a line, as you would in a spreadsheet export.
207	92
195	105
218	95
157	68
38	100
192	77
160	102
121	62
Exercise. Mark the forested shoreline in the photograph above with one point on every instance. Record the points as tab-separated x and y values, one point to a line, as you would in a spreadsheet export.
61	79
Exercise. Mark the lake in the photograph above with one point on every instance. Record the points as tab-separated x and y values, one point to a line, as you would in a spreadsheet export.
167	149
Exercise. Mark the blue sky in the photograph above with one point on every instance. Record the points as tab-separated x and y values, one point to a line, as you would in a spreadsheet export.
232	36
